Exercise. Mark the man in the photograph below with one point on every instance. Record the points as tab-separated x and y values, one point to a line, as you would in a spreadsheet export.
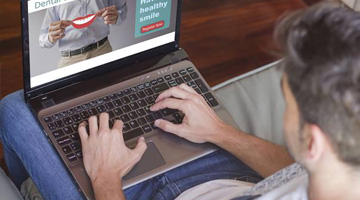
321	125
87	40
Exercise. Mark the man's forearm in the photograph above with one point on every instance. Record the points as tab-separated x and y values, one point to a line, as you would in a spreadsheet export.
262	156
108	189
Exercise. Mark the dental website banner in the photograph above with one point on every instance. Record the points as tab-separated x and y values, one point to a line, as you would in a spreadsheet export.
151	16
37	5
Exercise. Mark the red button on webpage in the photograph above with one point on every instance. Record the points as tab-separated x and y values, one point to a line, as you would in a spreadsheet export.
151	27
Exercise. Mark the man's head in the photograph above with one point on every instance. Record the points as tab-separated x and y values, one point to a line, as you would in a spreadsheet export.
321	84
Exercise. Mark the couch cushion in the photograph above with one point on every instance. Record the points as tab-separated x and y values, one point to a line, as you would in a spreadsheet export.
8	190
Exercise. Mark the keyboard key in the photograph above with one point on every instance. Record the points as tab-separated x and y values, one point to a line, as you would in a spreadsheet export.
133	115
133	97
156	96
160	87
167	111
126	127
47	119
85	106
127	91
133	124
100	109
141	87
182	72
68	120
154	82
157	115
160	80
142	103
66	149
120	94
201	85
63	114
147	84
149	92
167	77
150	118
113	96
75	146
79	154
92	104
126	109
191	84
146	128
70	111
153	126
172	83
75	137
194	75
117	103
85	115
133	89
211	99
71	157
175	74
190	69
140	112
150	100
118	111
197	90
59	124
58	133
125	100
56	117
68	130
187	78
111	114
93	112
133	134
134	105
78	109
63	141
106	99
142	121
109	106
51	126
147	109
125	118
75	126
178	117
179	80
141	94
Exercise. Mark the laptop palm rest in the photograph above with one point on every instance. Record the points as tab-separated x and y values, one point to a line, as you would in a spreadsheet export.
151	159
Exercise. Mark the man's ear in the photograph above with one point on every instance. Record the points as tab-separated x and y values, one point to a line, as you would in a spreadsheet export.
316	145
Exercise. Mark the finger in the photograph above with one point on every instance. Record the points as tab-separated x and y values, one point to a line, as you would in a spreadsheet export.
176	92
83	133
100	12
110	17
56	38
140	147
119	125
168	126
187	88
104	121
168	103
93	125
57	33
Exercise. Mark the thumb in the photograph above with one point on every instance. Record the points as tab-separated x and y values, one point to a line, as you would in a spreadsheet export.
167	126
140	147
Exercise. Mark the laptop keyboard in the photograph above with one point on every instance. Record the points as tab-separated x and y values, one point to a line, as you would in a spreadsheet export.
131	105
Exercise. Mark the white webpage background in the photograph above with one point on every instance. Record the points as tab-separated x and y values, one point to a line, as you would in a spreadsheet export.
100	60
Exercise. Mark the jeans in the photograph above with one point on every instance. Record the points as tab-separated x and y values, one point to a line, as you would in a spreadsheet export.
28	153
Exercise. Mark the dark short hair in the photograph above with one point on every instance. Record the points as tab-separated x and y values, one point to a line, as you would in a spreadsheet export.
321	47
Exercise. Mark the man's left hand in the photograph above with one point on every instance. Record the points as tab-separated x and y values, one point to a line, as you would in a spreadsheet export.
109	14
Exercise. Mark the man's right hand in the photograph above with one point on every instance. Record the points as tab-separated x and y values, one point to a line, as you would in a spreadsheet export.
200	124
57	30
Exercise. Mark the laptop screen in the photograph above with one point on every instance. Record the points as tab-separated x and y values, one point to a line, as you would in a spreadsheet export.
71	36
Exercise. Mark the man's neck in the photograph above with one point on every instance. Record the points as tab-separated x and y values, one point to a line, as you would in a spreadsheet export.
335	181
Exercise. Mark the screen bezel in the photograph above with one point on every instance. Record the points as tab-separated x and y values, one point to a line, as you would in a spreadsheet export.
75	78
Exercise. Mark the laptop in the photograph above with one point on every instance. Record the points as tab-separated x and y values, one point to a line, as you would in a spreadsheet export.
119	69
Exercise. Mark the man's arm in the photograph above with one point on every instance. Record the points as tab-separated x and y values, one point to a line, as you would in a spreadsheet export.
201	124
106	157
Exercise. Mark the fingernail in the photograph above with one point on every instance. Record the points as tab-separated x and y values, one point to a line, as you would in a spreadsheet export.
156	122
151	108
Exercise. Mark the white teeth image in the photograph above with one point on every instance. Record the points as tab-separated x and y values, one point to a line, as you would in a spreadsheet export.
84	21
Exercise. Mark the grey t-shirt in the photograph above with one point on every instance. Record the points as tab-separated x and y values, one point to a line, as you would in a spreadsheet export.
286	184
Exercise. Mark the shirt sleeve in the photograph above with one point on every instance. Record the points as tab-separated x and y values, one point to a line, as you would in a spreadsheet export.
122	10
50	16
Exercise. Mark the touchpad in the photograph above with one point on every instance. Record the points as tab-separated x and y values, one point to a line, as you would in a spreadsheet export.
151	159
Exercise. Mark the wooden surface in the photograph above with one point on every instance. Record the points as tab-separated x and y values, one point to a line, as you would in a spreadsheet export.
224	38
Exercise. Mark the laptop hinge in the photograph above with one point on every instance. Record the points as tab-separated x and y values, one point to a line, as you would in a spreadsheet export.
46	103
174	59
